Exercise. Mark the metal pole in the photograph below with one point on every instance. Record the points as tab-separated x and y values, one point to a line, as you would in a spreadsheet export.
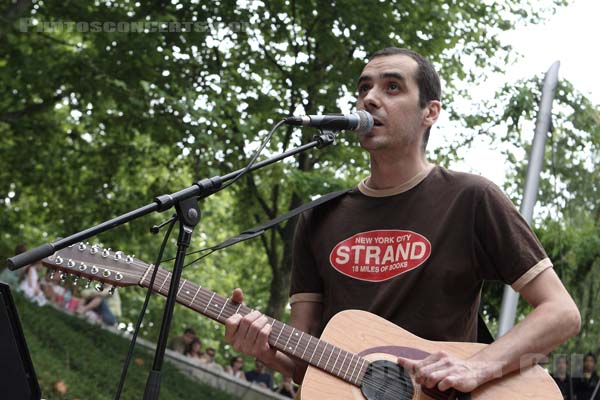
510	299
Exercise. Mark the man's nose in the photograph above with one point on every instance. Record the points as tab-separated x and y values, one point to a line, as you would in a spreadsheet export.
372	99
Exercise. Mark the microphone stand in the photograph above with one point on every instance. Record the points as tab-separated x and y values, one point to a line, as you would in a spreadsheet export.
188	214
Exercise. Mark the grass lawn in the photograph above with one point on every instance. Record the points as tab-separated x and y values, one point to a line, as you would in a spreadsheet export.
77	360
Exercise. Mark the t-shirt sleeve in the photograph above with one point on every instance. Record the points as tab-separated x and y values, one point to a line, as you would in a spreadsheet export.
306	284
506	247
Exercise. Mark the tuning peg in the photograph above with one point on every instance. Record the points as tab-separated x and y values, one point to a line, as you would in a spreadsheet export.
58	260
63	277
75	280
82	246
94	249
105	252
51	274
87	284
129	259
111	291
99	287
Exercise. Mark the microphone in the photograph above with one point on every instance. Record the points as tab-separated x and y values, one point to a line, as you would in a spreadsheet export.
360	121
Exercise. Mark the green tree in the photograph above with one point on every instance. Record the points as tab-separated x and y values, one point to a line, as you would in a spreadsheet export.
567	216
94	123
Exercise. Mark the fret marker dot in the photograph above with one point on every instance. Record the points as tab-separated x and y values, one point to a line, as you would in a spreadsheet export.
187	292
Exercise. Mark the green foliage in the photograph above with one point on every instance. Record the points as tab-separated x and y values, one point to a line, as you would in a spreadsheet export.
93	124
567	216
89	360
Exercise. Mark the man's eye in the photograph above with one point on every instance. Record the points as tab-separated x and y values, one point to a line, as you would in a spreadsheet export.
363	88
394	86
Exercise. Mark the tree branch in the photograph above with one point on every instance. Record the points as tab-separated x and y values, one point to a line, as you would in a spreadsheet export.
261	201
10	116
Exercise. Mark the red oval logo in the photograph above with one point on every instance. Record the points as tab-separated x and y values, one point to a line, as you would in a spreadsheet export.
377	256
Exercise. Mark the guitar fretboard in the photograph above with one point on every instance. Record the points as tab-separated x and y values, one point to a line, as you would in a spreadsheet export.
318	353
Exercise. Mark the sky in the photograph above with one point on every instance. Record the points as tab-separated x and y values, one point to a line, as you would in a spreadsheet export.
570	36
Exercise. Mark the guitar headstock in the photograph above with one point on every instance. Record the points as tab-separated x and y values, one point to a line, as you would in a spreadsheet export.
97	264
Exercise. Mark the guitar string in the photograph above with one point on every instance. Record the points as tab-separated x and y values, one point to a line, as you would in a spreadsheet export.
376	383
204	294
373	382
207	294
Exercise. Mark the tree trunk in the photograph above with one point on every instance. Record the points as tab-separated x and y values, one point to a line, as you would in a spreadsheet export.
280	283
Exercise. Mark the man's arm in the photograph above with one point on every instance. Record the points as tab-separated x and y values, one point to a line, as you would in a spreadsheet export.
555	318
249	335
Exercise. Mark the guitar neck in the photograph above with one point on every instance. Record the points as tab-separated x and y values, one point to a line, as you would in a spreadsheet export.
320	354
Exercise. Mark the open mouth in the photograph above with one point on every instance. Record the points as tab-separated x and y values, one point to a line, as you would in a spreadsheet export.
377	122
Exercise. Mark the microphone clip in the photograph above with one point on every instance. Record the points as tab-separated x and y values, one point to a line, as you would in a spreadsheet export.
326	138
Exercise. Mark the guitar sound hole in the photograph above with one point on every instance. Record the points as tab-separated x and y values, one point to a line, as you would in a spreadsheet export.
385	380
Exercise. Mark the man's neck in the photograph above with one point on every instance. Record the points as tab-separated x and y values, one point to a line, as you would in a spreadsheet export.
392	171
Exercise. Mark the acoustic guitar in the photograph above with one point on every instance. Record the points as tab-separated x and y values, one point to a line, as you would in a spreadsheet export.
353	359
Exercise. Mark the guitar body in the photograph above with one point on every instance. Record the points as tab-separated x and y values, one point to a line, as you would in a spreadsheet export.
374	338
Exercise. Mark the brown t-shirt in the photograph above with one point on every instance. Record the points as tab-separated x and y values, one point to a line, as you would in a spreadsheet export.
416	255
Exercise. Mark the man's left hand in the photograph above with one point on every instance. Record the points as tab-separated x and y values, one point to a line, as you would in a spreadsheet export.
445	371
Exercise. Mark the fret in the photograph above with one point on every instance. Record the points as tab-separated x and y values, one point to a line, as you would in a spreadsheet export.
349	365
238	309
344	360
313	353
289	337
336	360
194	298
280	331
361	371
181	287
354	369
299	340
223	308
323	353
150	267
228	311
208	304
306	348
165	281
330	354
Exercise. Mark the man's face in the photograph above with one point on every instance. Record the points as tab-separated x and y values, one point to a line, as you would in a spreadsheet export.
388	90
588	364
188	337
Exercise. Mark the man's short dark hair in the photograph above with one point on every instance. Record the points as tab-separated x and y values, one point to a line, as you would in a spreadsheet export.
189	330
426	77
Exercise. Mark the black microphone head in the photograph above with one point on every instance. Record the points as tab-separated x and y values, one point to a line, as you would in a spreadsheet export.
365	122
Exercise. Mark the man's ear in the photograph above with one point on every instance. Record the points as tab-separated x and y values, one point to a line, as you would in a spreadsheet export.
432	112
